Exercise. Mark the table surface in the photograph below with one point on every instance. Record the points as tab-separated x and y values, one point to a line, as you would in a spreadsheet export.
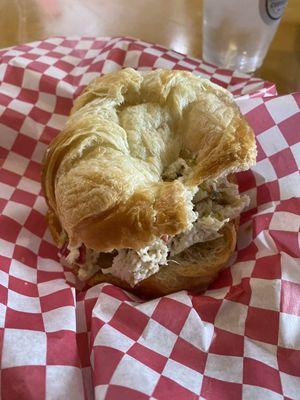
176	24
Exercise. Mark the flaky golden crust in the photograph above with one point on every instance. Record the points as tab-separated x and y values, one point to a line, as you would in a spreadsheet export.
104	169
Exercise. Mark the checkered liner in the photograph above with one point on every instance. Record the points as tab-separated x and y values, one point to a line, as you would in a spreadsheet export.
239	340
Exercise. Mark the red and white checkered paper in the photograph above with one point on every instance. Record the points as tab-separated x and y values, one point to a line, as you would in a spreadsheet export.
238	340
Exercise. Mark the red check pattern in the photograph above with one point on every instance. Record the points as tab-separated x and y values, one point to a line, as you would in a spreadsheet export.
238	340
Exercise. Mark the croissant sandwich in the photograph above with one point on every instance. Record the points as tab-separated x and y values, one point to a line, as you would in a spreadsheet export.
140	183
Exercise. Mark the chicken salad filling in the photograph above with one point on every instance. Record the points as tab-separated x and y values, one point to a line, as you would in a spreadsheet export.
213	204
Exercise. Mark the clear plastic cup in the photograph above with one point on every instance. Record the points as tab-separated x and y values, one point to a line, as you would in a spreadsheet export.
238	33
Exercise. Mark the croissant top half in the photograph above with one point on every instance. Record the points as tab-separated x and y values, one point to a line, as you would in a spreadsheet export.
103	175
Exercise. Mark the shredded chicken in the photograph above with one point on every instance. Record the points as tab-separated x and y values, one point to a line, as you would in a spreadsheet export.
88	267
134	266
212	217
202	230
213	204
